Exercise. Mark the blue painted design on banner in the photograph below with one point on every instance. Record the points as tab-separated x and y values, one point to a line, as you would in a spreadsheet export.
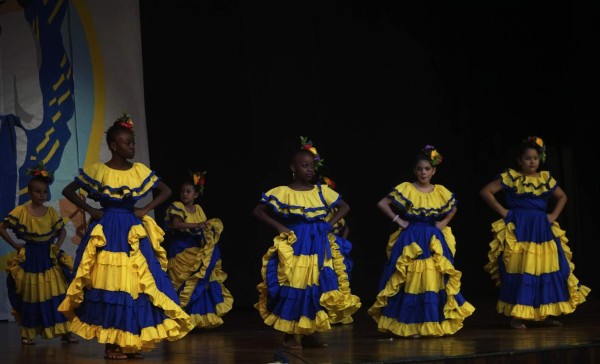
47	141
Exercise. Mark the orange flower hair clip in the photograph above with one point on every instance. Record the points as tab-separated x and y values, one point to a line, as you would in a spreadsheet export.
328	181
434	156
199	179
40	171
308	145
539	144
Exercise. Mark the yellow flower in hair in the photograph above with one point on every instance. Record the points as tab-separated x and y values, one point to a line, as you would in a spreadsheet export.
308	145
44	173
199	179
434	156
539	142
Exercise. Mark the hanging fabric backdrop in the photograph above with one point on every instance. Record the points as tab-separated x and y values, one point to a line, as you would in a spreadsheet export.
67	70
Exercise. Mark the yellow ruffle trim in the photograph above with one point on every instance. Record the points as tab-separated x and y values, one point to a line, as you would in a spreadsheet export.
119	184
309	204
147	340
178	209
101	268
521	184
45	332
437	202
189	266
212	320
338	305
341	307
196	259
408	266
515	257
39	287
34	228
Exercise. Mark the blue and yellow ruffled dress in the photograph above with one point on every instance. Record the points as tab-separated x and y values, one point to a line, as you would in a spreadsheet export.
195	267
529	259
419	290
38	276
304	286
345	247
121	293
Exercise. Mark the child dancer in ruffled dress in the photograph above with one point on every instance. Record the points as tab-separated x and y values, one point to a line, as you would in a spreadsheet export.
419	290
304	286
121	294
194	258
39	275
529	258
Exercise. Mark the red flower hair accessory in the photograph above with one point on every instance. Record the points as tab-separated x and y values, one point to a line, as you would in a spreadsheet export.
40	171
199	179
328	181
125	121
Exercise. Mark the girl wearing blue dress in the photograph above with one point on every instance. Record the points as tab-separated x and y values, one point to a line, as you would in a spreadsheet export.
195	266
304	288
419	290
121	294
529	259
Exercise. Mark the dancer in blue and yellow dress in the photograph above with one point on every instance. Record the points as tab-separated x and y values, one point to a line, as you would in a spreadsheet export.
419	290
39	274
195	266
121	294
304	286
529	258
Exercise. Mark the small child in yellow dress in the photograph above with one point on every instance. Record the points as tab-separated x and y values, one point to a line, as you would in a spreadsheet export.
39	275
194	258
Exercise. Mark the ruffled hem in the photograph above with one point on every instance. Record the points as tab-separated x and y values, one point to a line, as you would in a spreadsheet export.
44	332
336	306
504	244
27	284
448	327
453	313
207	321
304	326
191	265
542	312
175	326
497	248
147	340
342	307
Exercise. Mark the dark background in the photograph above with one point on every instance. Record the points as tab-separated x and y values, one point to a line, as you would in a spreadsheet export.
230	86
